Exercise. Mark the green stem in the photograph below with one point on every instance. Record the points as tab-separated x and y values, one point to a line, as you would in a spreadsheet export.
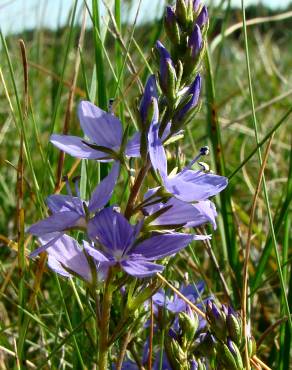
103	345
135	190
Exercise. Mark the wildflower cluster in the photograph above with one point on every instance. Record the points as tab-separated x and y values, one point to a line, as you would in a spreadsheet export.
125	245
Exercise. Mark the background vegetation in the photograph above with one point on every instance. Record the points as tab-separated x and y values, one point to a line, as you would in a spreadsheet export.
45	320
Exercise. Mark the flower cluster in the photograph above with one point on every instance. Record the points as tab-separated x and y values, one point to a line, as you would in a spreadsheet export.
126	239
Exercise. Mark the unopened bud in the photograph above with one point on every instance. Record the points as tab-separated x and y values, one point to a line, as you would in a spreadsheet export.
226	357
203	17
146	105
189	325
235	353
233	326
171	26
207	344
181	10
189	101
251	345
167	74
195	41
197	365
217	320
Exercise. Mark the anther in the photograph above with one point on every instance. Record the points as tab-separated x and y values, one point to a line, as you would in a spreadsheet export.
204	150
110	105
66	180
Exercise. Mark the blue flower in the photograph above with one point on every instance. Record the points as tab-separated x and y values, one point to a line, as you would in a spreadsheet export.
69	211
105	135
187	185
192	95
150	93
66	257
118	244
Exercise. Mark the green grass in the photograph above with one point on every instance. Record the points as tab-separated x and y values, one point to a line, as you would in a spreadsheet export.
50	322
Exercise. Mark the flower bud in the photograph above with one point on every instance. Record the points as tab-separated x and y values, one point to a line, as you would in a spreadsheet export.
207	344
171	26
235	353
195	41
217	320
181	10
189	101
203	17
189	325
167	74
178	355
233	326
146	108
226	356
197	365
251	345
196	4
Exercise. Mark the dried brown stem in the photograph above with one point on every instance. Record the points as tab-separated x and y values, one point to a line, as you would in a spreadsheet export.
247	251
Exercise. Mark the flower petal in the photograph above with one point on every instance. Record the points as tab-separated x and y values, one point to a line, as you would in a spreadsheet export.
190	186
104	189
95	253
49	240
112	230
150	92
206	213
62	203
103	128
75	146
65	252
160	246
155	147
133	146
180	213
140	268
56	222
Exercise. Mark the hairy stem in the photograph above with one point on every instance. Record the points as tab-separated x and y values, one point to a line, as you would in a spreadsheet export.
123	350
104	324
136	188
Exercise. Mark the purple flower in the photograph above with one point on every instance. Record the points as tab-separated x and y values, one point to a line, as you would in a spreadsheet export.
117	241
150	93
175	304
165	65
193	92
203	17
187	185
104	133
195	41
196	4
178	213
69	211
170	17
65	257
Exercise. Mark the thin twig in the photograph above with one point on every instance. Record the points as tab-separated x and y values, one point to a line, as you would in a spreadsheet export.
261	363
255	364
247	250
123	350
151	335
270	329
217	267
195	308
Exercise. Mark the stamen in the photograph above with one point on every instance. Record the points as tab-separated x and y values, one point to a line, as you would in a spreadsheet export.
110	105
205	167
203	151
76	181
66	180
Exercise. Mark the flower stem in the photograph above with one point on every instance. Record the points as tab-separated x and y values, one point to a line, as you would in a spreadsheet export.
135	189
103	345
123	350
